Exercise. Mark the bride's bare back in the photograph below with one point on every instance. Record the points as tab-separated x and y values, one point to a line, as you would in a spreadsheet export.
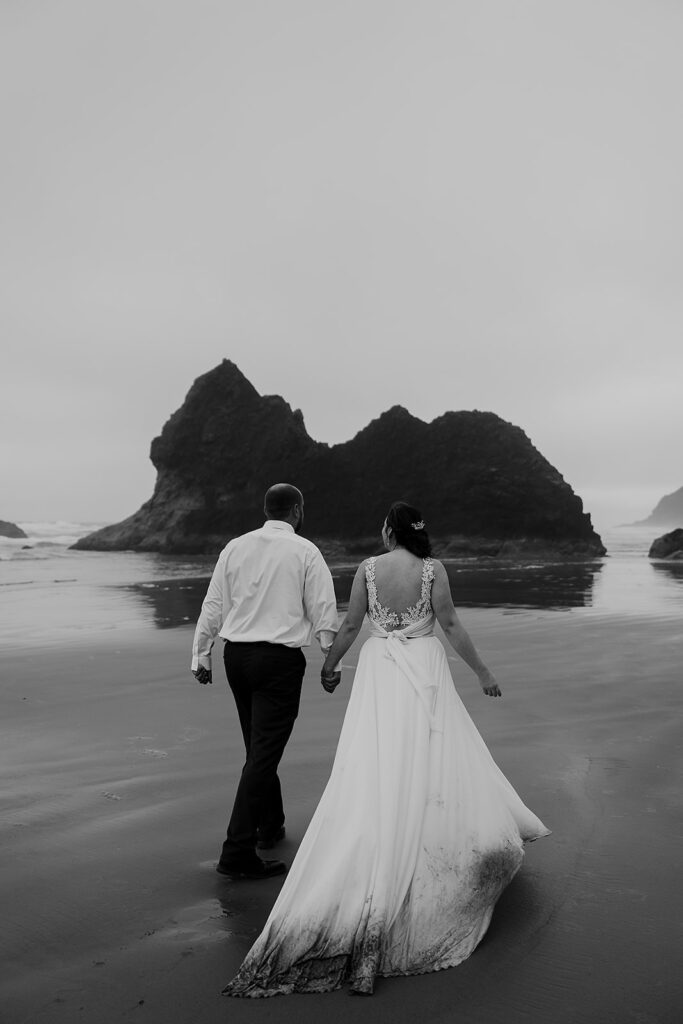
399	579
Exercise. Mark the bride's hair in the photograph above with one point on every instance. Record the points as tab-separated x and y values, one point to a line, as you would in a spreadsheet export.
408	526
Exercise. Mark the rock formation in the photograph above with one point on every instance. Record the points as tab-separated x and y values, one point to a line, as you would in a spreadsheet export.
11	530
669	546
667	512
481	485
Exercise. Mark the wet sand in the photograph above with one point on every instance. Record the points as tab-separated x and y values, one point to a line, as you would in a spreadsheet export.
118	771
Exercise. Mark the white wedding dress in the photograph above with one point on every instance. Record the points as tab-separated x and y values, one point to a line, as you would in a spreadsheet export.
416	834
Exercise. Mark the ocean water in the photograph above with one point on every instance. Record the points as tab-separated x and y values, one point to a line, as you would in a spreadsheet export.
50	595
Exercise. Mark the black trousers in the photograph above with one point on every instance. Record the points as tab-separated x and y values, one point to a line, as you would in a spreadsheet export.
266	683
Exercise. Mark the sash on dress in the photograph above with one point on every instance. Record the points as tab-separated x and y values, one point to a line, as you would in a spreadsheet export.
396	643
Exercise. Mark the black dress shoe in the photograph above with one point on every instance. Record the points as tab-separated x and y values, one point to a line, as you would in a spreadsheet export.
264	841
264	869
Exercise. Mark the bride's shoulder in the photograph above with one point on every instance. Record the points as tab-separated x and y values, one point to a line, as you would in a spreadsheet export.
438	567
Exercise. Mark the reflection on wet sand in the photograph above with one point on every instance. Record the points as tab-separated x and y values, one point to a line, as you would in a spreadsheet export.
669	571
560	585
171	603
177	602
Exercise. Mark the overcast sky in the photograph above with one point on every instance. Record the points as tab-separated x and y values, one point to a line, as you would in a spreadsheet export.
440	204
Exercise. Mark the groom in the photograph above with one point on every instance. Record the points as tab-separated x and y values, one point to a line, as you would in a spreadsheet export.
270	592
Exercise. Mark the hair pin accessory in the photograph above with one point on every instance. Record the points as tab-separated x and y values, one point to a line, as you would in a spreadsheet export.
418	526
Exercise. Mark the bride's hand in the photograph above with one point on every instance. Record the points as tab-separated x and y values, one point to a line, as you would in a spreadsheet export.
489	684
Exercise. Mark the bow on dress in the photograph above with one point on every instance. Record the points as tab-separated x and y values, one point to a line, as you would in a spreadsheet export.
397	641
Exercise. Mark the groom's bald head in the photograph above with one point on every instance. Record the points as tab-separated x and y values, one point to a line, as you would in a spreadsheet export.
281	500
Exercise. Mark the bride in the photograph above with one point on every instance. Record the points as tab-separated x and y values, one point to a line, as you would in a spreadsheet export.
418	831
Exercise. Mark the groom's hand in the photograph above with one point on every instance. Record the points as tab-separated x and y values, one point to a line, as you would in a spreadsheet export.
202	675
330	681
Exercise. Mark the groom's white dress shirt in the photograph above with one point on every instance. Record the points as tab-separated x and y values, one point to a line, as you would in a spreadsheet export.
268	585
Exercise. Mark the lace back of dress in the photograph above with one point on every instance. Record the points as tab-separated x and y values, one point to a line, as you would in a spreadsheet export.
389	619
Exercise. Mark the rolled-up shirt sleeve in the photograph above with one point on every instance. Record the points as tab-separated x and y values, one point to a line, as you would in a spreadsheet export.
320	601
211	617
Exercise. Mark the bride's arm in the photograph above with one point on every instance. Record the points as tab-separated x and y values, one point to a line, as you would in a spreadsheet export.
350	627
457	635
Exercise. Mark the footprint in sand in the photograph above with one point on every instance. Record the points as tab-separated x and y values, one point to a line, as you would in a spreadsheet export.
191	734
146	751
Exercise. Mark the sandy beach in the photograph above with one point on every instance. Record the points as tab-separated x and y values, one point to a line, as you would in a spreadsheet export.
117	778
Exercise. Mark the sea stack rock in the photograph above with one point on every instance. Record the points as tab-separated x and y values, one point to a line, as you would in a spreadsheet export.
480	483
669	546
11	530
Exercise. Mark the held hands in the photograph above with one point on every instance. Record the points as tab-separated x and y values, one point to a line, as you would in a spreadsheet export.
489	684
202	675
330	680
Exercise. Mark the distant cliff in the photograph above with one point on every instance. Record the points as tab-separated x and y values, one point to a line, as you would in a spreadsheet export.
11	530
667	512
480	483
